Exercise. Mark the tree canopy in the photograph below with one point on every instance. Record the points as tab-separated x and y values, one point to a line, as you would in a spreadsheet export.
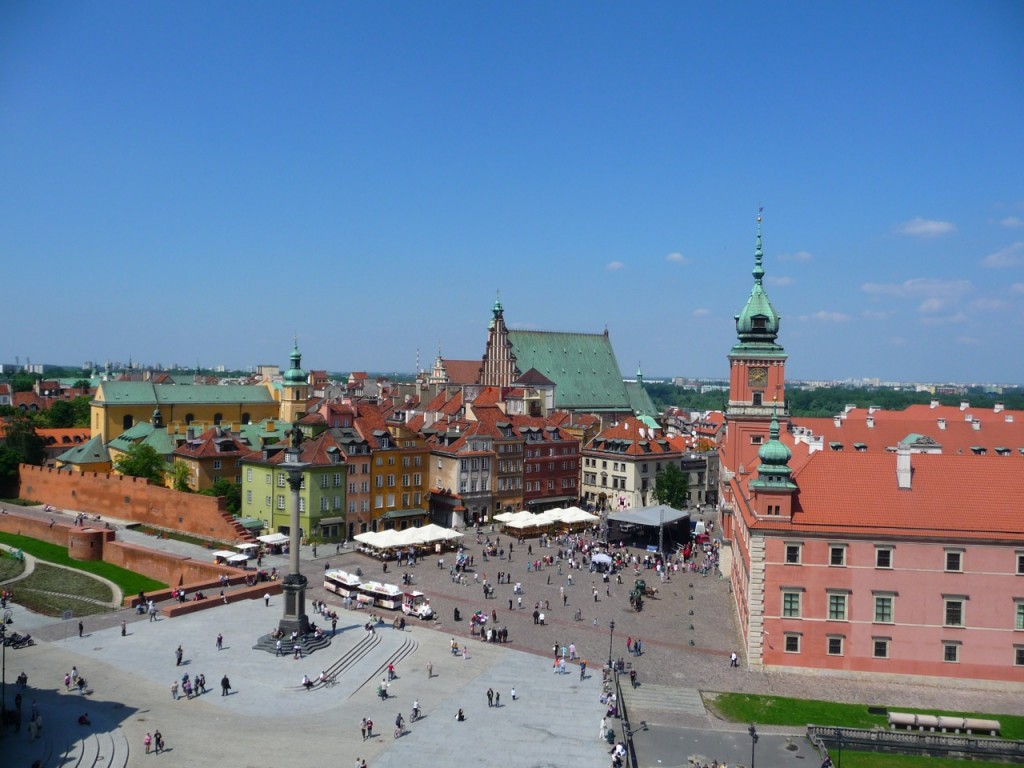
671	487
232	493
142	461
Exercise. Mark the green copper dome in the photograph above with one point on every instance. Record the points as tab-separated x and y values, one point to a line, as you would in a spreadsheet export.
758	322
774	471
295	374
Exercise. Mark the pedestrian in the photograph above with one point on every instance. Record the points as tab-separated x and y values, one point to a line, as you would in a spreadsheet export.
81	629
637	648
147	741
158	741
178	654
497	698
513	693
565	600
561	667
362	727
430	669
67	683
74	675
280	650
174	690
225	685
266	599
734	660
629	644
583	669
152	611
124	628
490	697
603	730
220	641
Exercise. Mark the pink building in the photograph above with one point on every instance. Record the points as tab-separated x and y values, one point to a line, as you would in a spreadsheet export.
895	555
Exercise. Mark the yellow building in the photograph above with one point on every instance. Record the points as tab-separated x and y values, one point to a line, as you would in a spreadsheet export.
120	405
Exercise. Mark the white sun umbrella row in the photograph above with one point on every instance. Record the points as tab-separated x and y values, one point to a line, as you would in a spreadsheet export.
391	539
522	520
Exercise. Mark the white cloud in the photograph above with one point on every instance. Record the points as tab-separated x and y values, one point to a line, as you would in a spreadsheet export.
1010	256
931	305
677	257
897	341
967	340
1012	222
926	227
987	305
826	317
614	265
921	287
1017	288
780	280
798	256
956	317
873	314
701	312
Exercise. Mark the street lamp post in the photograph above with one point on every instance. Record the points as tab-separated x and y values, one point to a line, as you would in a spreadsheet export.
839	742
611	633
753	742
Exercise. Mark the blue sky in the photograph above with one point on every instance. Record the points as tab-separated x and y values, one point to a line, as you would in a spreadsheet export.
197	182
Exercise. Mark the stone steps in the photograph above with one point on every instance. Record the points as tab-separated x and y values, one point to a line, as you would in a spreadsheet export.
100	749
662	698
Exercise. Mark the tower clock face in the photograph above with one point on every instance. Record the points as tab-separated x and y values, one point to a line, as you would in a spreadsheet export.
757	377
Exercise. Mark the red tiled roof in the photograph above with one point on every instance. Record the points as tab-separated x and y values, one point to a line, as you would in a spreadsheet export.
974	497
463	371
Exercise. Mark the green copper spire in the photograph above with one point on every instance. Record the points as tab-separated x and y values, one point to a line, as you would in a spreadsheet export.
295	374
757	326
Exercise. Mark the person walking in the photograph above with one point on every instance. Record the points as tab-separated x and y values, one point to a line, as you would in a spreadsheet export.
158	741
178	654
147	741
266	599
734	660
225	685
513	693
124	628
174	690
497	698
81	629
490	697
220	641
430	670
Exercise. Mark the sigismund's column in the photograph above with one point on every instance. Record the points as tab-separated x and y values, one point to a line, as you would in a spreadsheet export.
294	583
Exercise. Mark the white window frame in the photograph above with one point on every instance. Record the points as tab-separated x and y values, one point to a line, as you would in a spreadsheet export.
794	638
947	602
878	553
951	645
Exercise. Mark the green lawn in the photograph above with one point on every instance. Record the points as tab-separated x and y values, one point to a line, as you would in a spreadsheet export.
130	583
51	591
778	710
10	567
880	760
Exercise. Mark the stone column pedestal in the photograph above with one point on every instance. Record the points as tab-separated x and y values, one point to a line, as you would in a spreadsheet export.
294	592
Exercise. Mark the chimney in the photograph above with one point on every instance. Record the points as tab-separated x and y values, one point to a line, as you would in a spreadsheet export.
964	405
870	422
873	408
837	420
903	468
1008	418
976	423
998	407
942	423
934	403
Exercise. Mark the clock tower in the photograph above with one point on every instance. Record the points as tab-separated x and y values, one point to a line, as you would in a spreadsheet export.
757	374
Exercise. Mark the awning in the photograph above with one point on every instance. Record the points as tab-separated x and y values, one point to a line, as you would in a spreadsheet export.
247	545
274	538
223	553
331	521
238	558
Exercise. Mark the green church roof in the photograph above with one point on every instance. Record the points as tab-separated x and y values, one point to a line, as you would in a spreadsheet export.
90	452
144	393
582	365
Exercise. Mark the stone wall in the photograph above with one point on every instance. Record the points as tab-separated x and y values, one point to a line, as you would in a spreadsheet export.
129	498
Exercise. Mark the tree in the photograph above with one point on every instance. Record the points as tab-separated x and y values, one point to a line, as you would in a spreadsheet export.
9	461
180	476
23	440
60	415
82	384
142	460
232	493
671	487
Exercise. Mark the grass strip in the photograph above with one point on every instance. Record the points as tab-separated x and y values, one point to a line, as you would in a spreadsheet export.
779	710
10	566
130	582
853	759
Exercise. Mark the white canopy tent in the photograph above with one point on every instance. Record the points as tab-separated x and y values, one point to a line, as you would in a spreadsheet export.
239	558
274	538
223	553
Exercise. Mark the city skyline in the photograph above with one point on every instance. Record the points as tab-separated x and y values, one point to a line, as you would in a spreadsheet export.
196	183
